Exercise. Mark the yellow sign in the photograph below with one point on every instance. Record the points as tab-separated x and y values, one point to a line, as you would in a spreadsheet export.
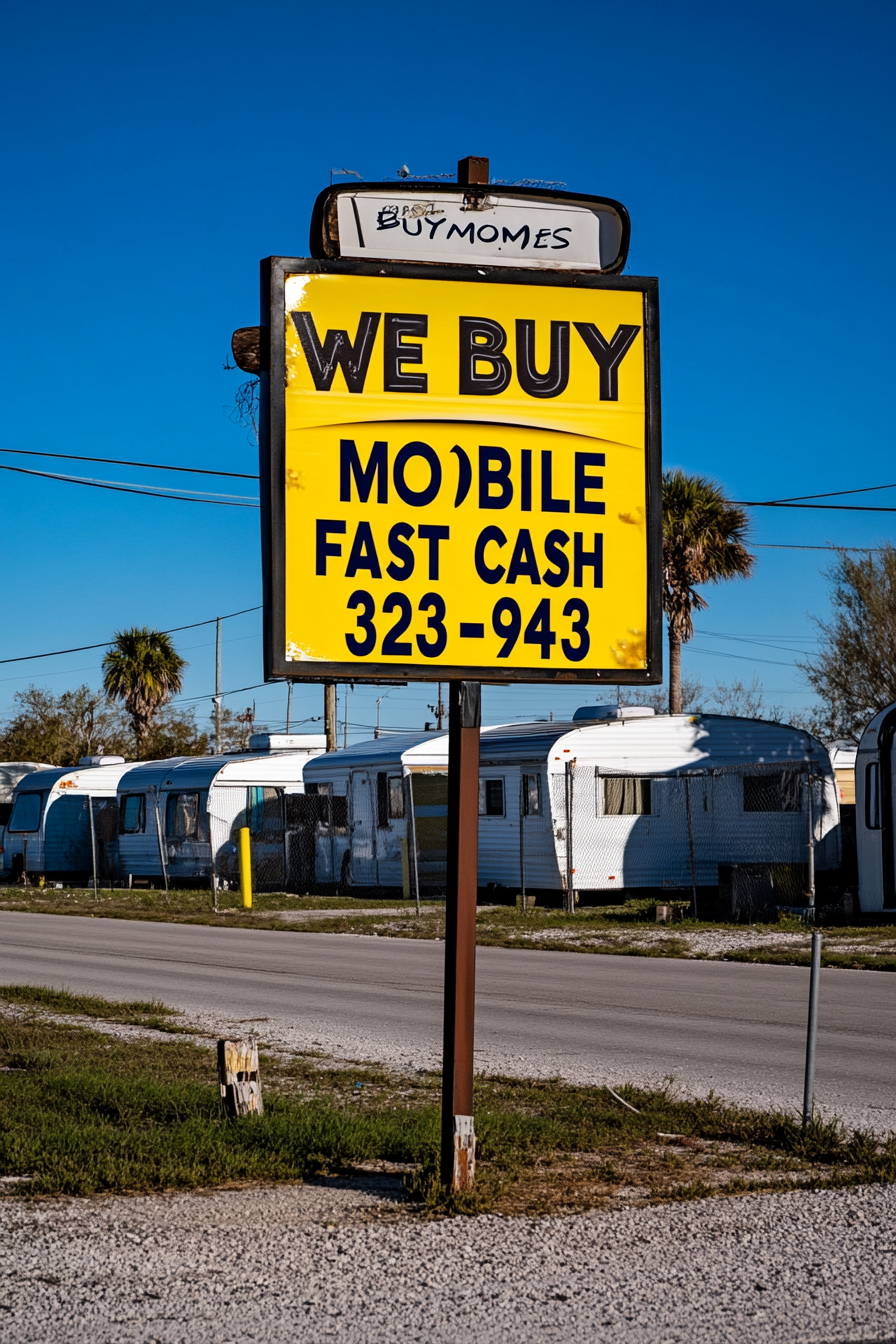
465	484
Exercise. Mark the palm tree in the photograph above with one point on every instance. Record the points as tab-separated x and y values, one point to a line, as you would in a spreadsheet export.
144	670
703	542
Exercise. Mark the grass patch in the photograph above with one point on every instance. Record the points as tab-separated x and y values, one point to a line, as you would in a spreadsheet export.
84	1112
147	1013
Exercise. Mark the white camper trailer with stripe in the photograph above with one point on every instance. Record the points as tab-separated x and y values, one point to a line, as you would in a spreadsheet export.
64	823
179	820
11	772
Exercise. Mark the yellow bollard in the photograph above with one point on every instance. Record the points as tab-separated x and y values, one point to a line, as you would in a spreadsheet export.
246	867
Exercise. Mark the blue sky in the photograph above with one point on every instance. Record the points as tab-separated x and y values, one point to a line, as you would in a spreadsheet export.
155	152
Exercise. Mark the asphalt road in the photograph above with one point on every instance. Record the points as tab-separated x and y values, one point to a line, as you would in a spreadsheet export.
737	1028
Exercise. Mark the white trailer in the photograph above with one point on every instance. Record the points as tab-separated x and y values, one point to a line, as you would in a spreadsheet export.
371	798
179	820
64	822
626	802
617	799
10	774
876	813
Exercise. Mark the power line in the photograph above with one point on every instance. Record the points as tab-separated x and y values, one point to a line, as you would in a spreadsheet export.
82	648
743	658
206	496
783	504
829	494
125	489
124	462
784	546
759	643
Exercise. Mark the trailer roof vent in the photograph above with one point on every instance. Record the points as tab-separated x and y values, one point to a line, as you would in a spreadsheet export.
287	742
605	713
101	760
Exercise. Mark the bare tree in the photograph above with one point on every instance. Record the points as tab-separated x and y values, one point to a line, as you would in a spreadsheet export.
854	672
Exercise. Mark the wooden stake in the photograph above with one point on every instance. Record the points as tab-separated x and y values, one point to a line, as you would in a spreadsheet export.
238	1078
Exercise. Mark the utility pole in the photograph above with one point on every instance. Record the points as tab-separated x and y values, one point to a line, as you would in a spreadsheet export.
288	707
218	688
380	699
458	1134
330	714
345	721
438	709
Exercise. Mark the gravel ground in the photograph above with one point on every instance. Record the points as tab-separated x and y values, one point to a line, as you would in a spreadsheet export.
705	942
328	1261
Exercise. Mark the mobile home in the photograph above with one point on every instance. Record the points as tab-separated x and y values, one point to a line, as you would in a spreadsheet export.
371	798
618	799
876	813
10	774
64	822
178	821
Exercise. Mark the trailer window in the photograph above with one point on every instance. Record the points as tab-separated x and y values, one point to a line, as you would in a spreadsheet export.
774	792
182	816
872	796
626	797
491	797
26	812
332	809
132	817
5	813
264	810
531	795
389	799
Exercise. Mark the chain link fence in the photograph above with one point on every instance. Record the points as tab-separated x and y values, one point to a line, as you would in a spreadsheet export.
734	840
746	837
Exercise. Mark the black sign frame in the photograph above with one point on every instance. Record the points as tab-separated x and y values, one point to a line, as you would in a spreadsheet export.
272	475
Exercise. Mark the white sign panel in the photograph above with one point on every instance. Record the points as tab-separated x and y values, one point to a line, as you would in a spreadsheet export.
491	228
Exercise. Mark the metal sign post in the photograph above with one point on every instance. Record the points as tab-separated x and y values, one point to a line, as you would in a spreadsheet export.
458	1134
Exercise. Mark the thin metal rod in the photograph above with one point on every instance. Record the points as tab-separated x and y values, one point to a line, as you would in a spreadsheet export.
522	841
332	829
412	835
811	1032
213	867
161	844
458	1136
570	900
218	688
92	846
687	803
811	855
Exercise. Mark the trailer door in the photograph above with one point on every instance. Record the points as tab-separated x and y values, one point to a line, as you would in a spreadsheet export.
363	830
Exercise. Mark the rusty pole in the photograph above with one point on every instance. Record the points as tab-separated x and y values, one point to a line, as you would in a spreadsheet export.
458	1134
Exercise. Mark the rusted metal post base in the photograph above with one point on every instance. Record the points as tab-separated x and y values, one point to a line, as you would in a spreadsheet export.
458	1135
238	1079
464	1171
